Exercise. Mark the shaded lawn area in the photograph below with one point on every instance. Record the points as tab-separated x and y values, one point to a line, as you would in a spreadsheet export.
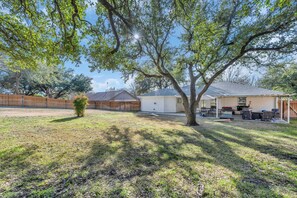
128	155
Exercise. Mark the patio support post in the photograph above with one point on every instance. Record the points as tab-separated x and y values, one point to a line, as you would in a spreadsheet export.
217	107
289	110
281	108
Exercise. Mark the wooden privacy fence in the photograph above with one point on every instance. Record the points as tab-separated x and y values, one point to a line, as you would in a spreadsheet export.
115	105
40	102
293	108
34	101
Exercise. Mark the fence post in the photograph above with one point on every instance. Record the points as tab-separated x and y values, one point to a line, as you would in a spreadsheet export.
65	105
46	105
23	101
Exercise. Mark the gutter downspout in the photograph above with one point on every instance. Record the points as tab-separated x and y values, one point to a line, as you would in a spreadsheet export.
217	107
281	108
289	110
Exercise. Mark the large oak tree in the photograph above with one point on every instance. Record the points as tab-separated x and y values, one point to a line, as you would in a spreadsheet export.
158	38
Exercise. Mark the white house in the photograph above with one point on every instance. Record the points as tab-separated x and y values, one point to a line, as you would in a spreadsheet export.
218	95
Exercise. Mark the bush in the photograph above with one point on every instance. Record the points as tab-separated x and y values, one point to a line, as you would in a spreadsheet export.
80	104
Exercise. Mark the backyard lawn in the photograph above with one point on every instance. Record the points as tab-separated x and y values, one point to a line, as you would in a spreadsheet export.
116	154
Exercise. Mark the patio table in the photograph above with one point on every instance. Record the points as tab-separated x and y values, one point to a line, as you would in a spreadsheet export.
257	115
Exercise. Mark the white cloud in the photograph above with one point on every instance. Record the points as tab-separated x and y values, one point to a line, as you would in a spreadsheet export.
103	86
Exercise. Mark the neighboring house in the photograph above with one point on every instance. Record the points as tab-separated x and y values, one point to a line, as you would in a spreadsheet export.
119	95
218	95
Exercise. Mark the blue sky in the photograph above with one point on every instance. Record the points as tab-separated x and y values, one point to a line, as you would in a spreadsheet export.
105	79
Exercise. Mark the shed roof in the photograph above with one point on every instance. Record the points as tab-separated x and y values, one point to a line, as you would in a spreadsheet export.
108	95
221	89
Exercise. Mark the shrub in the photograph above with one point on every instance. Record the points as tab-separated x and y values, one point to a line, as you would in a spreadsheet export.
80	104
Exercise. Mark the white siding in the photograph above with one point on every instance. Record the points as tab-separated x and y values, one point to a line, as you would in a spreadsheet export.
229	102
257	103
179	106
152	103
204	103
261	103
170	104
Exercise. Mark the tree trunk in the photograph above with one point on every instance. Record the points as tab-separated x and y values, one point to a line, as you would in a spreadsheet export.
191	115
17	83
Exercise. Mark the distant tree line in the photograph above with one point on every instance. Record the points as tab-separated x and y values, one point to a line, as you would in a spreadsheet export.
51	82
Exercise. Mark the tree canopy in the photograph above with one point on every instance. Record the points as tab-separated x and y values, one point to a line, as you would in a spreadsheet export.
195	40
52	82
283	77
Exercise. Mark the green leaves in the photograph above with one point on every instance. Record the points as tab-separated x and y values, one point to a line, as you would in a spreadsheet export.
53	82
41	31
80	104
282	77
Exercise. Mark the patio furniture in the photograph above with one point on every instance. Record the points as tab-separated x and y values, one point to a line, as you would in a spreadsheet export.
227	115
228	109
239	108
212	111
276	113
257	115
247	115
204	111
267	115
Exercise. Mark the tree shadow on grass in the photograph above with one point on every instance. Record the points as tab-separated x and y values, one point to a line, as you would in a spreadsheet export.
143	167
254	179
148	164
144	163
65	119
263	143
20	174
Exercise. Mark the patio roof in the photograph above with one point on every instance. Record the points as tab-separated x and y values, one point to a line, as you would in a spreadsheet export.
221	89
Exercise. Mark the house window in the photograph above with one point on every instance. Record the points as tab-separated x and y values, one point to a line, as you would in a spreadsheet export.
179	100
242	101
213	103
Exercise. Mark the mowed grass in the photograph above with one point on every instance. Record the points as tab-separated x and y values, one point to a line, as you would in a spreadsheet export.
120	154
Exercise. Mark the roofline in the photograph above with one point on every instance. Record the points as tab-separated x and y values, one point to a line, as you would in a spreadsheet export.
275	95
222	96
159	96
122	92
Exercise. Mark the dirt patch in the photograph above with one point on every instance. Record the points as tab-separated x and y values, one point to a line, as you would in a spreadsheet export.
25	112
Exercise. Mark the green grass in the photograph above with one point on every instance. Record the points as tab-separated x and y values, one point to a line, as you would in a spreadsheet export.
127	155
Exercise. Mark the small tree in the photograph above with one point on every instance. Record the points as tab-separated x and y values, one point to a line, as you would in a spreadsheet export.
80	104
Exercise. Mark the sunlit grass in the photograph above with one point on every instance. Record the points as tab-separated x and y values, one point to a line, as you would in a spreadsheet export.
126	155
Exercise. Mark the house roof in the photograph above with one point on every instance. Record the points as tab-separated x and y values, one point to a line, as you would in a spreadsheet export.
221	89
108	95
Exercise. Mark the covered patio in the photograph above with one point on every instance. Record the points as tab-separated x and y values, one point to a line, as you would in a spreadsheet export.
219	110
225	100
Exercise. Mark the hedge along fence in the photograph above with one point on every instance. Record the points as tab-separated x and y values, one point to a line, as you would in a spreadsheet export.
40	102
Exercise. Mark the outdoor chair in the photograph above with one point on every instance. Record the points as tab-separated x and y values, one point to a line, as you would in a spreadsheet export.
204	112
212	112
228	109
257	115
227	115
275	113
267	115
246	115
